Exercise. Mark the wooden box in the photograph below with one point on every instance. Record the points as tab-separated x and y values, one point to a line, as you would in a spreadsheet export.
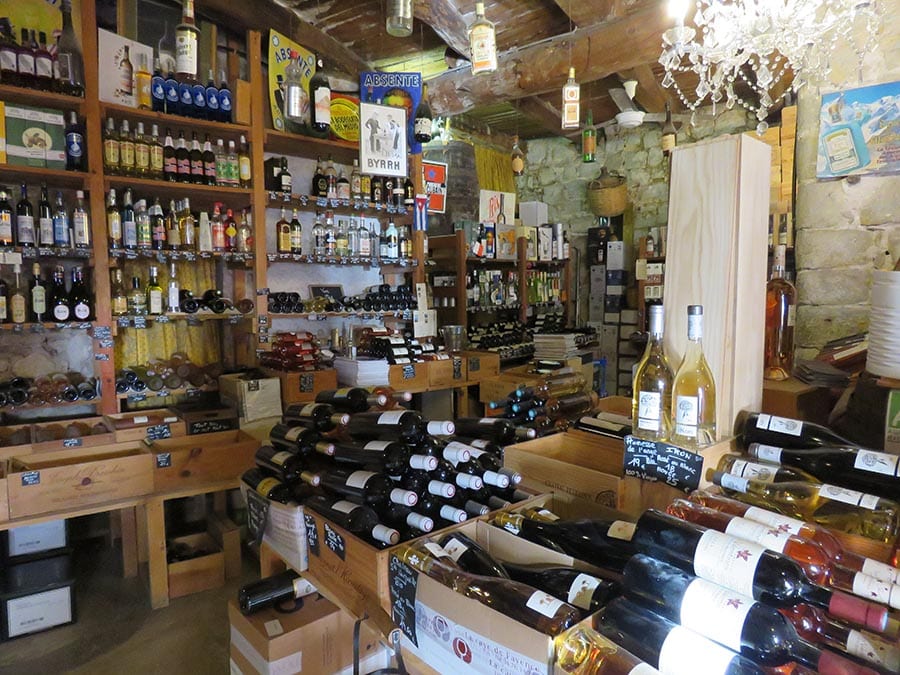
90	438
228	537
481	365
412	377
4	494
153	424
197	574
67	479
303	387
207	419
241	102
15	440
192	461
798	400
447	373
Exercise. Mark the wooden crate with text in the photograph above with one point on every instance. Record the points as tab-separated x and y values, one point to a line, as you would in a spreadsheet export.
302	387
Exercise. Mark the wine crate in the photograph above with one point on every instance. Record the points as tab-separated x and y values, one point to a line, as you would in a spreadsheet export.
412	377
68	479
197	574
98	433
4	494
497	388
191	461
130	427
303	387
447	373
228	538
481	365
15	440
207	418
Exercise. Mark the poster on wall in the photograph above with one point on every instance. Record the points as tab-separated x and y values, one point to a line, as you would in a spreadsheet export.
498	211
382	143
119	58
434	175
859	131
280	47
401	90
44	16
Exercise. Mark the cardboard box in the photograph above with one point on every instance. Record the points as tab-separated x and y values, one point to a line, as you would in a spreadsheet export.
55	133
34	573
447	373
412	377
196	574
132	427
33	612
481	365
303	387
798	400
56	481
38	538
253	398
25	136
195	460
533	214
286	534
111	52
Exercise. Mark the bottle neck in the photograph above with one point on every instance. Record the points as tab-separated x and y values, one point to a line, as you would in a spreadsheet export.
805	654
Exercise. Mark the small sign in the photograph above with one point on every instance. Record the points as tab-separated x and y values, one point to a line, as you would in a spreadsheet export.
660	462
409	372
192	320
163	459
263	320
123	322
162	318
106	343
474	364
73	442
257	515
262	291
139	322
457	368
403	581
312	534
37	328
158	431
335	541
31	478
101	357
307	383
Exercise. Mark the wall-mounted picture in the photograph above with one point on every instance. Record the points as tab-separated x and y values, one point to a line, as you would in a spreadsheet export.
382	140
333	292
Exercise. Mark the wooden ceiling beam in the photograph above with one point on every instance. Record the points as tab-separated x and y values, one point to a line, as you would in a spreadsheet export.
649	93
596	51
543	112
444	19
584	14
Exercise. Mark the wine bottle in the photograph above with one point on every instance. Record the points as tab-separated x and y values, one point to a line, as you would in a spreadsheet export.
351	399
830	505
270	487
585	651
447	474
421	483
534	609
409	523
58	299
667	646
452	451
814	560
487	476
802	529
766	472
318	416
300	440
440	510
287	466
585	591
407	425
356	518
391	458
80	300
732	619
745	567
694	391
781	307
857	468
471	556
495	429
365	487
273	590
651	405
784	432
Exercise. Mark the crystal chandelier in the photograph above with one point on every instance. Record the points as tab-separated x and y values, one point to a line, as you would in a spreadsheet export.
756	42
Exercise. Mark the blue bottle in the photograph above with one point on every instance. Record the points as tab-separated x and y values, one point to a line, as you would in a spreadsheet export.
158	88
212	98
198	92
224	99
185	97
171	90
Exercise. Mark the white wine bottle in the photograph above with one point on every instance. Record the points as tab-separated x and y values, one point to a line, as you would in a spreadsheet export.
651	403
694	391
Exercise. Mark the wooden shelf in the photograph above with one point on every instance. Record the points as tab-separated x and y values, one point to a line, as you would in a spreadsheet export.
405	315
169	189
36	97
283	143
54	178
303	259
32	327
177	122
164	256
51	406
129	321
489	261
138	396
493	308
36	253
340	205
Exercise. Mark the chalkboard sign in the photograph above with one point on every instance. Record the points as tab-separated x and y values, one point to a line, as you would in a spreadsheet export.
72	442
402	581
312	534
660	462
140	322
157	431
457	368
307	383
257	515
31	478
106	343
335	541
211	426
474	364
101	357
163	459
409	372
162	318
123	322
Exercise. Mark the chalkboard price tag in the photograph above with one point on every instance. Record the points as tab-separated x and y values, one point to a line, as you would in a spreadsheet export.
158	431
257	515
262	291
662	463
409	372
72	443
312	534
106	343
307	383
163	459
31	478
101	357
335	541
457	368
140	322
474	364
403	581
102	332
123	322
162	318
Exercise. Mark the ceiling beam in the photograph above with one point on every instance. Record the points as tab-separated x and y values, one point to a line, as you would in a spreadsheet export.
543	112
596	51
263	15
445	20
584	14
649	93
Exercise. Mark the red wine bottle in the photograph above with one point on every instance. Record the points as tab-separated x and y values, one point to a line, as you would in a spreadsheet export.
270	487
746	567
804	530
488	461
753	629
442	512
318	416
406	425
471	556
473	508
496	429
877	473
352	399
785	432
447	474
285	465
393	459
273	590
365	487
299	439
580	589
665	645
356	518
453	451
487	477
421	483
406	520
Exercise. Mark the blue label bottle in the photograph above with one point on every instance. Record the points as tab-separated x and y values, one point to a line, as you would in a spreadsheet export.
224	100
185	99
171	90
198	91
212	98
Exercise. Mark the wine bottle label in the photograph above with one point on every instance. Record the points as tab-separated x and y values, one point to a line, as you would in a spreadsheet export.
549	515
785	523
435	549
877	462
643	669
767	453
392	417
479	443
322	103
649	406
81	310
686	416
487	420
621	529
266	485
141	419
875	590
377	445
294	433
279	458
455	548
61	312
753	470
358	479
782	425
308	409
715	612
881	570
772	538
874	650
344	506
846	496
302	587
341	393
544	603
684	652
731	482
727	561
581	592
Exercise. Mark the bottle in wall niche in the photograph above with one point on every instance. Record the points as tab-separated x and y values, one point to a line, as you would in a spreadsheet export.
694	391
651	404
781	306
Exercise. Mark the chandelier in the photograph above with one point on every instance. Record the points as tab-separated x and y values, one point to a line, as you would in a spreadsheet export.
756	42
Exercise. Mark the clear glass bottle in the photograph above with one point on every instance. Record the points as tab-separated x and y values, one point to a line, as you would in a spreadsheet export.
119	302
173	294
318	233
18	294
141	152
651	404
781	306
113	220
342	242
61	222
296	234
330	234
187	227
694	391
155	304
245	171
137	299
482	43
244	233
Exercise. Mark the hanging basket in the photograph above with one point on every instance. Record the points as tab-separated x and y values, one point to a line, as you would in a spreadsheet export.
607	194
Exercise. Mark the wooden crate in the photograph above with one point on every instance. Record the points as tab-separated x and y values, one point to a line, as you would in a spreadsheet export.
17	449
56	481
195	460
4	494
303	387
228	538
481	365
136	426
412	377
447	373
197	574
91	440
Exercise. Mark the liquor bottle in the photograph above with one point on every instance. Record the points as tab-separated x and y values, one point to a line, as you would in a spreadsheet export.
267	486
68	60
158	233
272	591
9	69
482	43
186	230
818	565
585	651
217	228
391	458
4	304
45	219
39	311
830	505
198	98
129	222
666	645
330	235
61	222
319	99
351	399
143	225
472	557
781	306
423	118
585	591
534	609
204	233
318	416
173	235
745	567
285	180
589	139
738	465
80	300
110	148
668	133
157	88
365	487
18	302
25	235
295	105
141	152
143	85
154	293
173	291
245	170
212	97
244	234
126	150
182	160
119	301
126	74
6	220
356	518
498	430
342	187
59	298
652	400
804	530
198	176
173	101
784	432
208	159
25	61
113	220
224	99
283	234
295	236
170	160
694	391
318	234
407	425
76	159
230	230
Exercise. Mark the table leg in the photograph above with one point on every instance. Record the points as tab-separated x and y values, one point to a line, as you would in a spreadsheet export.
141	517
156	547
129	543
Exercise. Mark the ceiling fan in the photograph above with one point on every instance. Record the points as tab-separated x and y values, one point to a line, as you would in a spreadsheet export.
629	115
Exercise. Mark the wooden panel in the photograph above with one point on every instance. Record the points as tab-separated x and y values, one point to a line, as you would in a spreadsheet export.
718	227
228	538
129	542
4	496
197	574
200	459
156	553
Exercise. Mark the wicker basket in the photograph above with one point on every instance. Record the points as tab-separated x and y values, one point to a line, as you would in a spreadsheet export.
607	194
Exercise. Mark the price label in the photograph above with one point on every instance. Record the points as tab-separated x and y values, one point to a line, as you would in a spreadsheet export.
31	478
162	318
403	582
193	320
474	364
312	534
409	372
163	460
106	343
158	431
102	332
72	443
335	541
123	322
139	322
660	462
307	383
101	357
257	515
